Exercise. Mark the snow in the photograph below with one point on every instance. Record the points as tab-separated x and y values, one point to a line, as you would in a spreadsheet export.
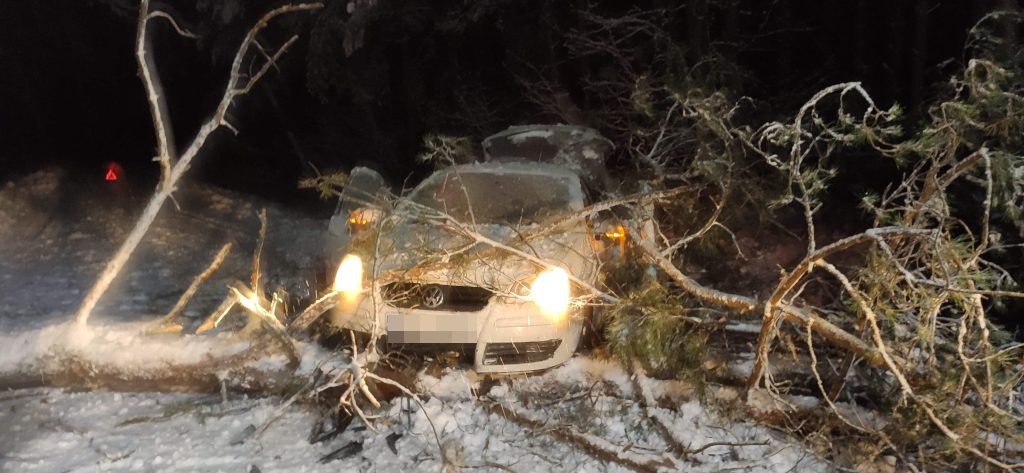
454	385
166	432
47	264
521	137
48	430
762	401
57	231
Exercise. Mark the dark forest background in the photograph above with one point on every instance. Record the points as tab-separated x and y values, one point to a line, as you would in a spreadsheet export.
69	93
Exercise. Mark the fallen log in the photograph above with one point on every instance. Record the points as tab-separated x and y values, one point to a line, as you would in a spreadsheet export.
236	373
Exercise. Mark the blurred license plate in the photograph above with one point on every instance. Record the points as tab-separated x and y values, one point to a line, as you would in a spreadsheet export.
432	328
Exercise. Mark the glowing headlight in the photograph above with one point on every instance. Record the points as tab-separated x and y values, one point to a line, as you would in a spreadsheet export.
551	292
349	279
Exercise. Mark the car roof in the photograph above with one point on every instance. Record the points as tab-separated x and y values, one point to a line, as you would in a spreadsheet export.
577	148
514	167
516	141
517	168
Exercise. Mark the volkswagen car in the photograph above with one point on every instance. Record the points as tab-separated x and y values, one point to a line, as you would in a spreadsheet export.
471	256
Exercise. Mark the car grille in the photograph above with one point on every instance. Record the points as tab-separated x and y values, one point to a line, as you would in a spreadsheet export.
520	353
456	298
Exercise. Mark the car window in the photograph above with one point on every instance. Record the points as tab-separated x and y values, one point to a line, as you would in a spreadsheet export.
504	198
362	189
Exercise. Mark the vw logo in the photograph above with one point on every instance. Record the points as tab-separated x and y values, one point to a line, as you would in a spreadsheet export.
433	297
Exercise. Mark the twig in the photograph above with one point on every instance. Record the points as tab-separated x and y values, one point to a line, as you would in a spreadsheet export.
727	444
415	398
253	307
650	405
707	226
266	66
314	311
772	316
185	33
229	301
259	47
256	254
679	446
280	410
830	331
479	238
538	232
172	316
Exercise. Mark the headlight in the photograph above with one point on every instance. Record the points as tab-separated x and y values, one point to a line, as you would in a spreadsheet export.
349	279
551	292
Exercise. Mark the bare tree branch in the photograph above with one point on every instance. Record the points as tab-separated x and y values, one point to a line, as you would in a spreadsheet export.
904	385
172	316
693	287
315	310
169	18
256	289
172	172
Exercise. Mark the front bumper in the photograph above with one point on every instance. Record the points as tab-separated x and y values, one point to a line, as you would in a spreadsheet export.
511	336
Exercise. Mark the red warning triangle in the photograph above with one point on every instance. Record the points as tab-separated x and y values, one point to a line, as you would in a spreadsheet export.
111	176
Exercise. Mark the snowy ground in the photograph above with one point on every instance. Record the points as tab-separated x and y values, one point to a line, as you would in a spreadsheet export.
57	231
49	430
53	246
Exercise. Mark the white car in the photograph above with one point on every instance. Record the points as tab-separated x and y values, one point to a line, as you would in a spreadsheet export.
438	284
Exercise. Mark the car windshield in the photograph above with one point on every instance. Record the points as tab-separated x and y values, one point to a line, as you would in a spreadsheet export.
505	198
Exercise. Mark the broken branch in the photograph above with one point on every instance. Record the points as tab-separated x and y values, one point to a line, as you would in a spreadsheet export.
172	316
314	311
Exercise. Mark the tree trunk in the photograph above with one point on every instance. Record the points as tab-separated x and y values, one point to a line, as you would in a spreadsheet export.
113	267
237	373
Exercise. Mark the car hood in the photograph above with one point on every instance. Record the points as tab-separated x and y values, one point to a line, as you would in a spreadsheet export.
451	259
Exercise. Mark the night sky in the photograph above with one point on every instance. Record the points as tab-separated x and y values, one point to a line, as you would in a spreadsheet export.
69	94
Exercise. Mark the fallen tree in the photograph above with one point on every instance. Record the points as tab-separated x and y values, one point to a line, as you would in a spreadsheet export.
236	373
172	166
910	292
